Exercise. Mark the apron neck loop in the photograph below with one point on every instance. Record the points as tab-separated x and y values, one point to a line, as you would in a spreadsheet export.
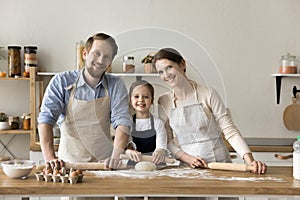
196	95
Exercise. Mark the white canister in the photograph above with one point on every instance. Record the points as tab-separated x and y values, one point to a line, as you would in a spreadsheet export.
296	159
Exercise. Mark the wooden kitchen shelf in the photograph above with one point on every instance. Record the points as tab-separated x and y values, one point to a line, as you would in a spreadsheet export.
17	131
31	80
14	79
37	147
278	83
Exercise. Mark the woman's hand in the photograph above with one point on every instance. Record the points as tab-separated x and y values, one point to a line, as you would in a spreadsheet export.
134	155
260	167
193	161
197	162
159	156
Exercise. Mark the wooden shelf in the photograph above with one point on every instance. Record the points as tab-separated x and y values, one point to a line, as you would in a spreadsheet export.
37	147
14	79
278	83
31	81
17	131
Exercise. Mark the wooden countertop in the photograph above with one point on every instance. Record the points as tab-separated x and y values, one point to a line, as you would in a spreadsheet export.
277	181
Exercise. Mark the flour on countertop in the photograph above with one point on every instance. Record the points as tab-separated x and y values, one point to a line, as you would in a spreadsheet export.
179	173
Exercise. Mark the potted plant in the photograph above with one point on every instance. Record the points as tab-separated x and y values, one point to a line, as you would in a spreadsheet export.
3	121
148	66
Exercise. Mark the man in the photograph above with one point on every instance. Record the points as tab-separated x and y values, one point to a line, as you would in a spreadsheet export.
84	103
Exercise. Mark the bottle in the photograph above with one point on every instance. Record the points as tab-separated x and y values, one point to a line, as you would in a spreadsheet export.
128	64
79	59
296	159
14	61
30	58
288	64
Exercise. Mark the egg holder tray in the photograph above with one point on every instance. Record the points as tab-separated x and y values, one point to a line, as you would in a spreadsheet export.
40	176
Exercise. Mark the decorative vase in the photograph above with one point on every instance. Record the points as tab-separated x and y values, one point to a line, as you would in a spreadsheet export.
4	125
148	68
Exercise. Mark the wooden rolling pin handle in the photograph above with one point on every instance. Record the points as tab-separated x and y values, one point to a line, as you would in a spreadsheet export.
84	166
230	166
149	158
282	157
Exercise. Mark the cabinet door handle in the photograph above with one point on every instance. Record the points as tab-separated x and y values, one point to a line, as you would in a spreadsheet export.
282	157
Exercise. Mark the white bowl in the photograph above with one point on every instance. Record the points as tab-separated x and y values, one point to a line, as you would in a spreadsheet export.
17	168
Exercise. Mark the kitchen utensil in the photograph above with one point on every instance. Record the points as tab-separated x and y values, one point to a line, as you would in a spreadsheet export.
291	116
17	168
230	166
149	158
283	157
84	166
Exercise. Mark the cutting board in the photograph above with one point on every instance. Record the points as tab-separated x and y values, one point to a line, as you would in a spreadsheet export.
291	116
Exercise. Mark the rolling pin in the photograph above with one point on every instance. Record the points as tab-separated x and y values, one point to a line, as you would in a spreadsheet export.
149	158
84	166
230	166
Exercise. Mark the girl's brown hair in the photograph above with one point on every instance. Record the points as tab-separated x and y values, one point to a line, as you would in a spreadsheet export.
143	83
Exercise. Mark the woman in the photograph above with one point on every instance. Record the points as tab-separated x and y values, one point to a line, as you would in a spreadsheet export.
197	117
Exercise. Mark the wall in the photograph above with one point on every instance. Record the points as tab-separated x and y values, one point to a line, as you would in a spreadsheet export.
240	41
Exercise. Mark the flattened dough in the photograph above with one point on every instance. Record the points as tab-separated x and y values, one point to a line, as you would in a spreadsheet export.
145	166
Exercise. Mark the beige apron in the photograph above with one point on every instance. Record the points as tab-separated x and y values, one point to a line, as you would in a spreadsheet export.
85	131
196	134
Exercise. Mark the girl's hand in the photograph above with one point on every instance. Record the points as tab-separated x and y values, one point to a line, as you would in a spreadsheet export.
134	155
159	156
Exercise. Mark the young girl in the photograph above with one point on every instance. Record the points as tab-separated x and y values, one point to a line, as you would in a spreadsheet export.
148	132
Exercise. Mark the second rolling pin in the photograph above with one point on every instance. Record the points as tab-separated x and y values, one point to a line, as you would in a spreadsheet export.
230	166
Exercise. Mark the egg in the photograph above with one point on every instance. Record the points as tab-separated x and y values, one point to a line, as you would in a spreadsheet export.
63	171
74	173
47	170
56	172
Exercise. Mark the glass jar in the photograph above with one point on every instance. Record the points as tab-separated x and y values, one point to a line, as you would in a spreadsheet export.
128	64
14	122
14	61
26	121
30	58
79	51
288	64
